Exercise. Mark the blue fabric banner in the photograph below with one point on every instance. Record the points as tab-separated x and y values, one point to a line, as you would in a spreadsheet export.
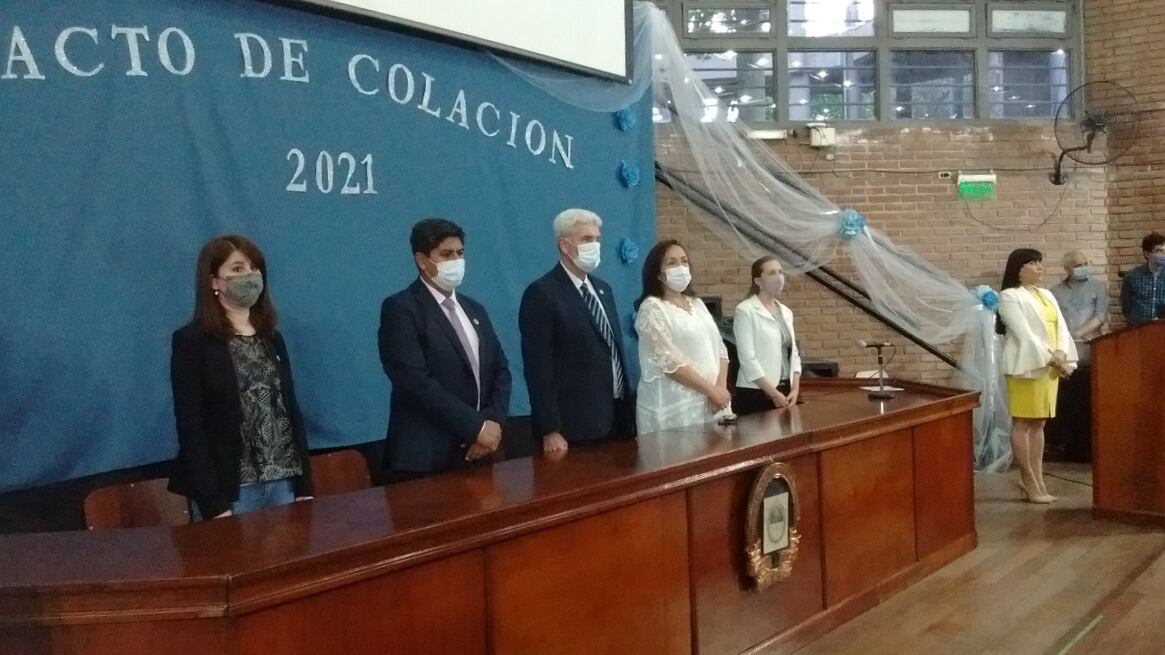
134	130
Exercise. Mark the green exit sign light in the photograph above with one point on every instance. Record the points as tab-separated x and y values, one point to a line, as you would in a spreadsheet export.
977	187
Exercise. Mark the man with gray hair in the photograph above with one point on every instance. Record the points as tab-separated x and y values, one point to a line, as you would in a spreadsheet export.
572	345
1084	303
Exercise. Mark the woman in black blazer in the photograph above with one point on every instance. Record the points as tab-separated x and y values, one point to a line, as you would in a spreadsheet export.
241	441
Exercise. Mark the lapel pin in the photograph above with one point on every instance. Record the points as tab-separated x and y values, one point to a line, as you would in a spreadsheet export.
475	322
600	292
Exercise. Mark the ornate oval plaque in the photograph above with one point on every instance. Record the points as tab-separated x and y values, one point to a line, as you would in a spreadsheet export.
770	532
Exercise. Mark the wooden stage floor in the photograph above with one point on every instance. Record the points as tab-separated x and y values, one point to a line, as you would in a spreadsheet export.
1045	580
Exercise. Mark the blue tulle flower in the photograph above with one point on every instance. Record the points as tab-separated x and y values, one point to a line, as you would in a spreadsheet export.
628	251
626	118
852	224
987	296
629	174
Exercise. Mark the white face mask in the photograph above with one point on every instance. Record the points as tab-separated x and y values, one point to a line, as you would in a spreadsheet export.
588	256
773	284
450	273
677	278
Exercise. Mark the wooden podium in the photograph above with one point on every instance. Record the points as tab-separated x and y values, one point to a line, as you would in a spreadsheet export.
1128	425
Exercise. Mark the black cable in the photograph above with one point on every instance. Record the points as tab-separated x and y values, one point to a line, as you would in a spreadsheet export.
1055	210
1060	477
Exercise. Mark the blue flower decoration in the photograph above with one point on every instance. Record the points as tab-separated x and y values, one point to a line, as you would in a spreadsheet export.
628	251
852	224
629	174
987	296
626	118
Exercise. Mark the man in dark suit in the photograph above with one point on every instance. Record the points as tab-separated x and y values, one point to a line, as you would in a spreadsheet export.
450	381
581	389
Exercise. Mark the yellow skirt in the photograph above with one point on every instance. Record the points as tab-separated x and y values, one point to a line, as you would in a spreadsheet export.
1033	397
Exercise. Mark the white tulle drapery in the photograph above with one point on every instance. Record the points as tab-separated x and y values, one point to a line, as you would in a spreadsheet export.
762	201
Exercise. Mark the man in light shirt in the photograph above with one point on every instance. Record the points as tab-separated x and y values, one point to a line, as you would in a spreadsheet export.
1084	303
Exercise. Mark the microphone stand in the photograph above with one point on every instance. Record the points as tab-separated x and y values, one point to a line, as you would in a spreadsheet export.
881	393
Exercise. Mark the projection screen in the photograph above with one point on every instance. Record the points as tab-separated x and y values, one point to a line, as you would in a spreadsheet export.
592	36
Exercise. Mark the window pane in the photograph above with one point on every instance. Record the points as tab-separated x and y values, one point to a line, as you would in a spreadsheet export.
730	21
1020	21
932	84
831	17
932	21
1026	83
742	83
831	86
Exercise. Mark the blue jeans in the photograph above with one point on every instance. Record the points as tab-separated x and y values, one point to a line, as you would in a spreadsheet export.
257	496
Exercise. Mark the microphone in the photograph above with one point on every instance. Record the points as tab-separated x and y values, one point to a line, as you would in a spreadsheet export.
873	344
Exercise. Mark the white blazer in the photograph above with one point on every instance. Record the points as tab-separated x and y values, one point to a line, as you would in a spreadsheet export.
1026	347
760	344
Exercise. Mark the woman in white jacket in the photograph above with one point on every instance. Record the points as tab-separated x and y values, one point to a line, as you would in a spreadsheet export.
1037	352
770	366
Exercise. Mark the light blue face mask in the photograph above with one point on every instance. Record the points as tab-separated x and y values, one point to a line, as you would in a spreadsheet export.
1080	273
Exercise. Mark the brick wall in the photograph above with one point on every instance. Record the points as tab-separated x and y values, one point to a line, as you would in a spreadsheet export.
877	172
1122	44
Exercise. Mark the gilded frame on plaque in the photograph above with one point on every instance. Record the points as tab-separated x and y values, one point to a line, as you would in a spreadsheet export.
771	537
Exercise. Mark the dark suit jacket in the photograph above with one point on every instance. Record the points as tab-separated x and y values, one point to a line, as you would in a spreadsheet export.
433	415
568	363
209	416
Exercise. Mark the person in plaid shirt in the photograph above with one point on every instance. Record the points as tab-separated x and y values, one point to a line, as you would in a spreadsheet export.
1143	289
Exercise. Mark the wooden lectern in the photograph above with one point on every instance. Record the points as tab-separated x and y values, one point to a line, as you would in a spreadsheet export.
1128	425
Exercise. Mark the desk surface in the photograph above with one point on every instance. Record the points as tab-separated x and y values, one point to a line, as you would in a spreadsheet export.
240	563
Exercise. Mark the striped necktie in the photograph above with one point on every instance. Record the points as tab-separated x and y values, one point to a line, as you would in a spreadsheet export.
600	320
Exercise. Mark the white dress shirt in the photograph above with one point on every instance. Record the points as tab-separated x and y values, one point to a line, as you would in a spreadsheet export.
466	324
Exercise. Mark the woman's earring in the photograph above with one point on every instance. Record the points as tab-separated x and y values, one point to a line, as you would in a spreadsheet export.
216	292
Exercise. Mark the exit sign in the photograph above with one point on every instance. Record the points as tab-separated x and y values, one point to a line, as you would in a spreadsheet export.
977	190
977	187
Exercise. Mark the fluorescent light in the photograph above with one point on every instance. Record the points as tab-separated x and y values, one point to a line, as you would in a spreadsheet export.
823	74
746	98
847	84
803	101
794	64
718	89
658	57
762	62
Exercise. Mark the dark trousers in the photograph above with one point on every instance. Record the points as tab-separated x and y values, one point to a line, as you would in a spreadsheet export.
753	401
1071	431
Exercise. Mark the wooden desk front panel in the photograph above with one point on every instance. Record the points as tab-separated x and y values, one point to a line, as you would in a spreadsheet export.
612	583
729	615
867	513
944	486
184	637
433	608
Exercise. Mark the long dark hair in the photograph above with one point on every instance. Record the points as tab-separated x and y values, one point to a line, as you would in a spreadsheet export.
757	267
208	311
652	285
1018	258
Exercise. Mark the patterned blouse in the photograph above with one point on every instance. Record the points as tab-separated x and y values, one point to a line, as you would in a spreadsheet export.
269	452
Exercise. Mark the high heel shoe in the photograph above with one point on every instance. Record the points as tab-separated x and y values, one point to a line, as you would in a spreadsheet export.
1034	496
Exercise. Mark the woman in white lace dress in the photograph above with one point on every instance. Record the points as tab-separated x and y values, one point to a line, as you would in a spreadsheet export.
684	362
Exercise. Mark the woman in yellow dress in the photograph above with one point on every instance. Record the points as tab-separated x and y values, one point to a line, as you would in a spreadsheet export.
1037	351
